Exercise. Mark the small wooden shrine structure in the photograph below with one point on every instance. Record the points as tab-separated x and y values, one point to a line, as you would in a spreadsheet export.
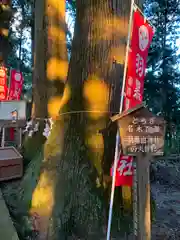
12	116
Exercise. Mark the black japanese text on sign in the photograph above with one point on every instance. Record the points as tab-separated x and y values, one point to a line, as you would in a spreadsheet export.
140	131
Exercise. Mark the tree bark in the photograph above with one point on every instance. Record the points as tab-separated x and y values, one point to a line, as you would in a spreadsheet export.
50	96
50	68
100	35
72	178
31	146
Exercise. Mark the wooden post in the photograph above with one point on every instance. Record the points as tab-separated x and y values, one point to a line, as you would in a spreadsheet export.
3	137
135	203
142	211
20	137
142	135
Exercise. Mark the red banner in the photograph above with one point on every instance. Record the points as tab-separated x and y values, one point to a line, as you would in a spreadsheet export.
3	84
142	34
16	84
124	171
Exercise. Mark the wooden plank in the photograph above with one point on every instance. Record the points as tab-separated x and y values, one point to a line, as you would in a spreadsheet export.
135	204
143	215
141	131
125	113
9	123
9	153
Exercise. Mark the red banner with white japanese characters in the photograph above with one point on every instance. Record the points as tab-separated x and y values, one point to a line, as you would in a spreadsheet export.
124	171
142	34
16	84
3	84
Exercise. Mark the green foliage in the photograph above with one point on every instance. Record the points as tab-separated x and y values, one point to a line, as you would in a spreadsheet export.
163	76
71	14
19	56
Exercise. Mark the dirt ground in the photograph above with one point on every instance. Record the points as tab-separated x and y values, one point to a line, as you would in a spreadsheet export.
165	187
166	191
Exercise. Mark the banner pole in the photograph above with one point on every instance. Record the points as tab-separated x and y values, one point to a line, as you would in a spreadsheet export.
112	189
3	137
126	191
120	110
126	57
9	83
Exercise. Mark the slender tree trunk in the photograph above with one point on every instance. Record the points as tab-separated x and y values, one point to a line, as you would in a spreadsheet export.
32	31
50	68
5	9
40	61
32	146
50	95
53	65
21	39
164	91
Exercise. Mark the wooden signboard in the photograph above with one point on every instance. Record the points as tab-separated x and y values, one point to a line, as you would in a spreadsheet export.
142	135
12	115
142	132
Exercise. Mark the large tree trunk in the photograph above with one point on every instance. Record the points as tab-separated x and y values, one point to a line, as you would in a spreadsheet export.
50	68
75	192
31	146
100	36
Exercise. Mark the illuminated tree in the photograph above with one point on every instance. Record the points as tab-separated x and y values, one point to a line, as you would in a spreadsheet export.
72	176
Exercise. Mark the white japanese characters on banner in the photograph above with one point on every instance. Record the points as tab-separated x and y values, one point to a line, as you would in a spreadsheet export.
142	34
124	171
16	85
3	84
143	38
